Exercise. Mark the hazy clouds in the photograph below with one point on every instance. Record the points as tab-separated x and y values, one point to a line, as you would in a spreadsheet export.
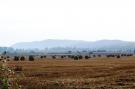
29	20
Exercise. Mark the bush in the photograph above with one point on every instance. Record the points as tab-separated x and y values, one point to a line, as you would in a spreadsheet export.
72	57
54	57
2	57
86	57
41	57
4	83
6	74
62	57
22	58
80	57
31	58
99	55
118	56
8	57
44	56
69	56
16	58
128	55
75	57
111	55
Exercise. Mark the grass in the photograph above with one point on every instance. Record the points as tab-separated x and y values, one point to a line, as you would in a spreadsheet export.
96	73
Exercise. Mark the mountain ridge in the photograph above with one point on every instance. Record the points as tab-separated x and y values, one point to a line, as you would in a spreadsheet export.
53	43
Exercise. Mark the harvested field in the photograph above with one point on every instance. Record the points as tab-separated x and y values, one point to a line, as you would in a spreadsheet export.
95	73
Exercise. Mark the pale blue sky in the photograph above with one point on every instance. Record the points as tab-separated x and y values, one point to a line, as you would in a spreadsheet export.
35	20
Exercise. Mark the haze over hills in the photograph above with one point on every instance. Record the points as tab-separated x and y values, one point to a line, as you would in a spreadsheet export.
94	45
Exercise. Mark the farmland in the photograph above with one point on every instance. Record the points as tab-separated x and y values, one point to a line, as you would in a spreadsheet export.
94	73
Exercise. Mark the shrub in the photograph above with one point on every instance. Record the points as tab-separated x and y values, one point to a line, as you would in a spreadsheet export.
72	57
123	55
2	57
62	57
99	55
41	57
80	57
5	76
111	55
22	58
118	56
16	58
54	57
86	57
75	57
8	57
44	56
128	55
5	83
31	58
69	56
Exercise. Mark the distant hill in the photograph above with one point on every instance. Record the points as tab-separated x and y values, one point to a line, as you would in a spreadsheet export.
94	45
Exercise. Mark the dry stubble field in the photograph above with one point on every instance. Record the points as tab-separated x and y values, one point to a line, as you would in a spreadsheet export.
97	73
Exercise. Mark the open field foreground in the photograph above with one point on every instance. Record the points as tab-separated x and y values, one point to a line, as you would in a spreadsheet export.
98	73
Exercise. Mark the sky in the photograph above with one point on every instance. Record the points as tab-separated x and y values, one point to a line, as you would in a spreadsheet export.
90	20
